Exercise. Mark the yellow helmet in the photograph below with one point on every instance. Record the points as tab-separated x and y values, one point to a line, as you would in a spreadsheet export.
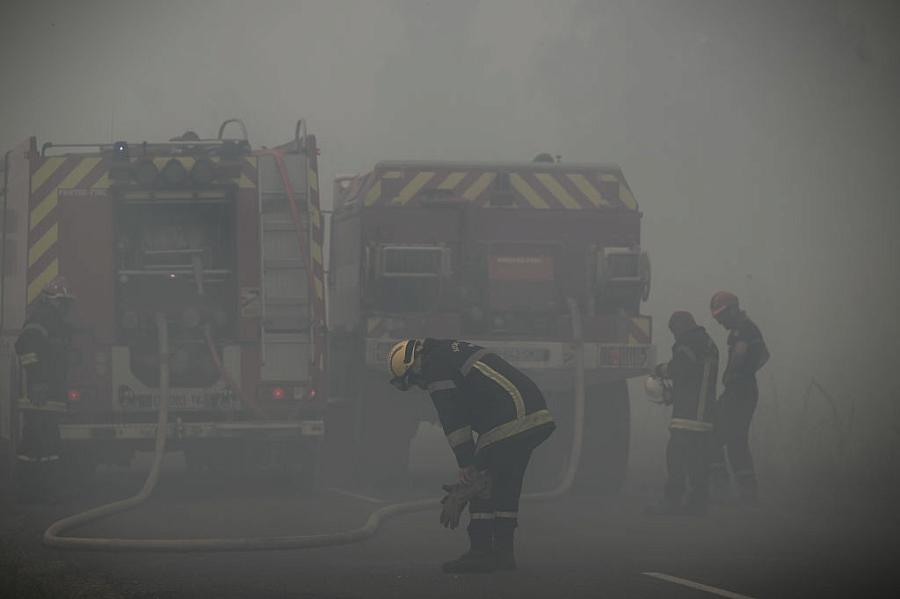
401	359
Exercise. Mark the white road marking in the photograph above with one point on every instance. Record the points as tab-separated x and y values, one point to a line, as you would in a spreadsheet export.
356	495
696	585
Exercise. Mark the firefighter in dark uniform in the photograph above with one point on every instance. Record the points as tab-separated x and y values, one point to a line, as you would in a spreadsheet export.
42	348
693	371
747	353
477	393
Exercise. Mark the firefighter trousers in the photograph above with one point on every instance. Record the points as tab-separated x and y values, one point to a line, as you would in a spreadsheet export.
506	461
687	459
734	413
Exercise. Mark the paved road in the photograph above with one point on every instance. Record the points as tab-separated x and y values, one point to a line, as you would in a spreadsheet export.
575	547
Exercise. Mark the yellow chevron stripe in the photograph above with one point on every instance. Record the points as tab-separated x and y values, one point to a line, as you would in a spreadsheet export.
43	244
316	252
41	211
374	194
392	175
627	197
245	183
102	182
506	385
558	191
413	187
373	324
522	186
251	160
588	189
643	324
39	282
45	172
78	173
313	180
452	180
479	186
320	290
46	206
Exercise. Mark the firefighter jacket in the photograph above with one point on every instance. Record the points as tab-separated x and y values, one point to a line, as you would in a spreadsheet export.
42	348
480	398
747	353
693	370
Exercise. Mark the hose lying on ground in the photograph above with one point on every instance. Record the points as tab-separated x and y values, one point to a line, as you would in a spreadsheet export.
52	536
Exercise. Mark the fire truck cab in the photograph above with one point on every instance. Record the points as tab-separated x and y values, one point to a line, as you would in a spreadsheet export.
222	239
490	253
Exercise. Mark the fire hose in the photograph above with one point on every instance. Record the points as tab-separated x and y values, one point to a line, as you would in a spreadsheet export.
53	535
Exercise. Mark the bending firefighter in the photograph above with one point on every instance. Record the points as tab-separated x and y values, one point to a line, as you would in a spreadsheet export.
747	353
477	393
42	348
692	371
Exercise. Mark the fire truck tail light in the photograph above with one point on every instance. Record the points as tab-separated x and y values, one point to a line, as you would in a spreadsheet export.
73	395
312	394
279	393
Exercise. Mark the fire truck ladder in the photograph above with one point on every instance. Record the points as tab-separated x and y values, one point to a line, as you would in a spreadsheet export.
286	281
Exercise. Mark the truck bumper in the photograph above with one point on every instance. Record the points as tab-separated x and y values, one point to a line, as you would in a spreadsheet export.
259	430
551	363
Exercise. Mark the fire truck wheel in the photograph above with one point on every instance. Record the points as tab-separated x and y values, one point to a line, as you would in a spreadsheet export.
607	432
604	452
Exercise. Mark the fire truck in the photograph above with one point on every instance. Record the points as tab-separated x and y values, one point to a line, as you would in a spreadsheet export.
491	253
226	242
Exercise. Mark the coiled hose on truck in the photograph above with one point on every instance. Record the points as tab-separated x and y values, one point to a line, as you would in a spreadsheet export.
53	535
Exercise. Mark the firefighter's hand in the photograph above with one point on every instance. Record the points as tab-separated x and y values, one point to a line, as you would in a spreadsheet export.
468	474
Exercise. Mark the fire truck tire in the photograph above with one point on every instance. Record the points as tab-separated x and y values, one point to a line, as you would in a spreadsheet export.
607	425
604	454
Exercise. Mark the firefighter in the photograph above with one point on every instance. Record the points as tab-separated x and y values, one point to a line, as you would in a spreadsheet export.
476	391
747	353
42	348
693	371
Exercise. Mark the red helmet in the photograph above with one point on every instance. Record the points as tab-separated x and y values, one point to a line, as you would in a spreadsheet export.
721	301
58	288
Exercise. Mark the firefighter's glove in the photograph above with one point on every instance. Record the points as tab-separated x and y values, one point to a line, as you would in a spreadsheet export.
458	496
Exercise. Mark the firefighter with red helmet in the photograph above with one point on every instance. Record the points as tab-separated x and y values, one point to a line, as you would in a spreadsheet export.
693	371
476	391
747	354
42	348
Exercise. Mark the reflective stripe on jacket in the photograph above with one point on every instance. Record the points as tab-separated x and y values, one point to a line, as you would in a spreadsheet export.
478	394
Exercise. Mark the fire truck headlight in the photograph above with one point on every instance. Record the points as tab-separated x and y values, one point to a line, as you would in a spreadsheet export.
174	173
203	172
145	173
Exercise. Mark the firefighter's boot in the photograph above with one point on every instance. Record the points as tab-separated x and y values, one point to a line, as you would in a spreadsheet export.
480	557
504	546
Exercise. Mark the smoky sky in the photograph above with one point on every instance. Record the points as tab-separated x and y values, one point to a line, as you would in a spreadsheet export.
760	138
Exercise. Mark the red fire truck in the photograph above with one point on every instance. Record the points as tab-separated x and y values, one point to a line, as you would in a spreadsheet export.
223	239
491	253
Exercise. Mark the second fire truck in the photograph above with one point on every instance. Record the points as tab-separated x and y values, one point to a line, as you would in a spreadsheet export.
491	253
